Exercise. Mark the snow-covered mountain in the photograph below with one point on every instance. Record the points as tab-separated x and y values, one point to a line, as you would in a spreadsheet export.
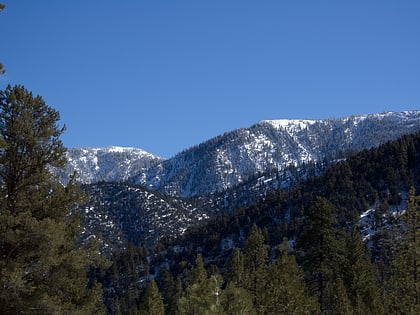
238	168
121	213
236	156
112	164
232	158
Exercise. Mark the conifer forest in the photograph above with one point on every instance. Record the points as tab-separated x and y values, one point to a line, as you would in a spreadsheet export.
337	235
298	250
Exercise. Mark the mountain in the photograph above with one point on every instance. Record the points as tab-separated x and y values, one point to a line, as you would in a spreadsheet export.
365	191
127	211
232	158
122	213
369	189
112	164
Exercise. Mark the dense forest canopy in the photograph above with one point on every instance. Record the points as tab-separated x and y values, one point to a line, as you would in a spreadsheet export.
299	251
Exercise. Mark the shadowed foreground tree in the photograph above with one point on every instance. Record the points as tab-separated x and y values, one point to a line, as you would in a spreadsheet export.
42	271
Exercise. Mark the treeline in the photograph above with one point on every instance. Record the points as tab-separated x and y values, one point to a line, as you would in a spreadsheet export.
247	267
297	252
327	270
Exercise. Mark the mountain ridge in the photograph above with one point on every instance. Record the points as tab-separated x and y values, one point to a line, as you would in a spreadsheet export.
229	159
235	156
112	163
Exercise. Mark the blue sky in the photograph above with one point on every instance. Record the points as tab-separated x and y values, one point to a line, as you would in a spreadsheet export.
166	75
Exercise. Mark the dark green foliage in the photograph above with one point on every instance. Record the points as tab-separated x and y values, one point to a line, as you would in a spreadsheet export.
333	272
321	247
235	271
404	287
255	265
203	293
285	291
360	278
121	281
151	303
171	289
42	271
236	301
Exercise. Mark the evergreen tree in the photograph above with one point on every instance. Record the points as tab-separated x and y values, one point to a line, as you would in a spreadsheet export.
42	271
339	300
236	301
322	249
255	263
202	295
151	303
360	278
167	287
177	294
285	292
404	283
198	274
235	269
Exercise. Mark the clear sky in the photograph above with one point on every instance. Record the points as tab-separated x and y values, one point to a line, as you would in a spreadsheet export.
166	75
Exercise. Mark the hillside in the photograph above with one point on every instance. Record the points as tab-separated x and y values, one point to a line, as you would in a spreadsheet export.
130	211
112	164
237	156
330	206
232	158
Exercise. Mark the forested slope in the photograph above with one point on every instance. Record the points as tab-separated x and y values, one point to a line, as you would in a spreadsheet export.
299	250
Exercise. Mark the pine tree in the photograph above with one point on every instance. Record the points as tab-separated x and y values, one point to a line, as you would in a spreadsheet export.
255	263
339	300
236	301
151	303
42	271
167	287
198	274
235	268
360	278
202	295
404	287
321	246
177	294
285	291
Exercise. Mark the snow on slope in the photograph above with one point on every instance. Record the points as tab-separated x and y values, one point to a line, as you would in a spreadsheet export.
121	213
233	157
107	164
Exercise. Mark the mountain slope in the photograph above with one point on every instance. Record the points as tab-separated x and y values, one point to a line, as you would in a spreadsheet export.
111	164
232	158
122	213
376	180
373	182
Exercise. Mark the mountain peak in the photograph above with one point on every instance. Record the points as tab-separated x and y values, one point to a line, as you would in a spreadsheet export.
289	123
113	163
232	158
